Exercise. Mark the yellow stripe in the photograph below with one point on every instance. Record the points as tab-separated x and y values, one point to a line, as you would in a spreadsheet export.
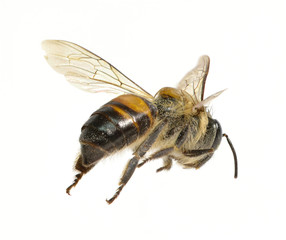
172	92
136	104
124	114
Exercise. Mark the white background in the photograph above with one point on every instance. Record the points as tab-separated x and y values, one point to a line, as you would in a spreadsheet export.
154	43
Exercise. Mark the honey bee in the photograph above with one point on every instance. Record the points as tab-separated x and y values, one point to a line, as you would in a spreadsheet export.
173	125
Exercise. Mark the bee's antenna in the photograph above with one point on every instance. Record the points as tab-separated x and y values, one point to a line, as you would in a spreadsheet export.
234	155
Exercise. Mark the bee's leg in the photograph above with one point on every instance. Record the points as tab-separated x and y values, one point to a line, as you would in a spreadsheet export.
139	153
159	154
197	153
167	164
127	173
82	169
163	152
75	182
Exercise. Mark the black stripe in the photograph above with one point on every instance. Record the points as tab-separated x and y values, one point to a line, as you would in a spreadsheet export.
126	126
153	109
141	119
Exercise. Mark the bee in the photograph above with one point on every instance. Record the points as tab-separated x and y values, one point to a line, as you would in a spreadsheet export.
173	125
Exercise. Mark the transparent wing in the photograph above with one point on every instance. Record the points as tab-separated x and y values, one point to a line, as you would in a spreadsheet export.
207	100
194	81
88	71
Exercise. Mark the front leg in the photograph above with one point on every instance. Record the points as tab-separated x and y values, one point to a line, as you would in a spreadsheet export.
197	153
166	151
167	164
205	155
139	153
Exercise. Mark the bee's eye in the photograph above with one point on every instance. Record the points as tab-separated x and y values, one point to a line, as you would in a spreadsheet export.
217	128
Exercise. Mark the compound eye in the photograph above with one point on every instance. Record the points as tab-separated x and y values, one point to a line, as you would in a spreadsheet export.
218	130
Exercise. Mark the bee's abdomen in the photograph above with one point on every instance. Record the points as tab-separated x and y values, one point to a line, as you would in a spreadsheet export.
115	125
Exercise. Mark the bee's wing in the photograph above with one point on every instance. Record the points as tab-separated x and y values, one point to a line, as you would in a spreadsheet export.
88	71
194	81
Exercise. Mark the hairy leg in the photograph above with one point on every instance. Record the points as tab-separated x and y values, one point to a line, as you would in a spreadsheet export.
139	153
166	151
167	164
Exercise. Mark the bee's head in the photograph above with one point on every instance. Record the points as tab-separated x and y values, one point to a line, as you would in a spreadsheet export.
213	137
216	128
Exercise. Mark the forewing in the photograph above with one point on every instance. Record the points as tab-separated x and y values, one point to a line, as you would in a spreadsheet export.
194	81
88	71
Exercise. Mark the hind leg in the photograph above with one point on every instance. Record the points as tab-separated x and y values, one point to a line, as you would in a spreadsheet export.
82	169
87	159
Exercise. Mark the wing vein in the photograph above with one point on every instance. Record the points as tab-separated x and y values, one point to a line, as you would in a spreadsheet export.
88	71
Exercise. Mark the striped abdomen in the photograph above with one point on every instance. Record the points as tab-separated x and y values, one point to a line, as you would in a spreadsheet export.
115	125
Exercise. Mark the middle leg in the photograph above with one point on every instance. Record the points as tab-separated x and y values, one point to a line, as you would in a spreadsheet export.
167	164
166	151
139	153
